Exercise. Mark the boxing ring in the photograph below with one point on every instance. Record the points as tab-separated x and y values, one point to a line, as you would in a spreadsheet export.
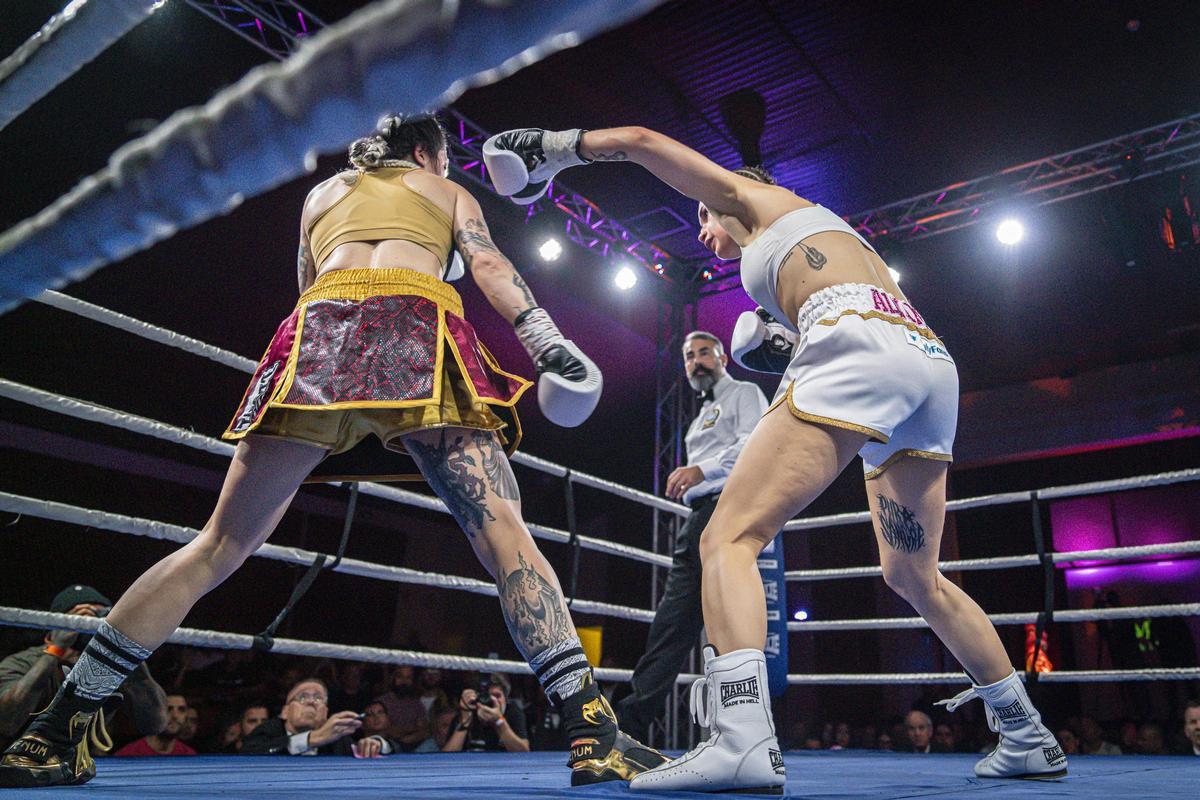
39	253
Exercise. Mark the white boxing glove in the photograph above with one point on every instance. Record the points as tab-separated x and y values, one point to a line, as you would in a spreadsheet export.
455	268
523	161
569	384
761	343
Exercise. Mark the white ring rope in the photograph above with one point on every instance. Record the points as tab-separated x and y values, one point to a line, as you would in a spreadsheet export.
45	620
120	523
1019	618
71	38
154	333
1056	676
265	129
160	430
1008	562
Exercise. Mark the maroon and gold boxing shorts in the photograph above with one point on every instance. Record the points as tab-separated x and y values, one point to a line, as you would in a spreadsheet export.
376	351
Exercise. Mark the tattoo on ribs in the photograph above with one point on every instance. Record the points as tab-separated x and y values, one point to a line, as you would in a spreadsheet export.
447	467
533	609
495	466
816	259
899	526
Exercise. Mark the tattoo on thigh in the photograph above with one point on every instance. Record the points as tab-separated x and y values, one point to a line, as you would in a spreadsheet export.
533	609
495	466
899	526
447	467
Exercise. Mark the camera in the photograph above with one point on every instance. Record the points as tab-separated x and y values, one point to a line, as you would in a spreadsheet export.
485	695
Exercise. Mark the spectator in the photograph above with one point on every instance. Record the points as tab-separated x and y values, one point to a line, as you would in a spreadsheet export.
166	742
376	719
30	678
252	717
191	721
813	742
410	723
918	728
943	739
1068	741
884	742
1150	740
432	696
1129	737
443	722
1191	725
236	732
349	689
1091	739
841	736
305	727
486	721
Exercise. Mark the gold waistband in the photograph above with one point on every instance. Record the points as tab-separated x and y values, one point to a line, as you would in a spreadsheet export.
359	284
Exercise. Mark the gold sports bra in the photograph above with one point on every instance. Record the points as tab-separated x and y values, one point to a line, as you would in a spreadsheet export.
381	205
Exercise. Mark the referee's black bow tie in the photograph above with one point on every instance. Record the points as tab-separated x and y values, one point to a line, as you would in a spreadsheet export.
706	396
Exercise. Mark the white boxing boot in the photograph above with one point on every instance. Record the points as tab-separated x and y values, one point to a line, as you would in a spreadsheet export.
741	753
1027	749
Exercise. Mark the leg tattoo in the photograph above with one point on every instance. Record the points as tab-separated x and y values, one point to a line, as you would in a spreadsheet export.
899	526
495	466
533	609
447	468
541	628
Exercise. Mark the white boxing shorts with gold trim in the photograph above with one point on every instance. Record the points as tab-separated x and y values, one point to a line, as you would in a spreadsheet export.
866	361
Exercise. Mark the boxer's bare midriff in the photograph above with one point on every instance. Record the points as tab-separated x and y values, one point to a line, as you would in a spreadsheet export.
846	261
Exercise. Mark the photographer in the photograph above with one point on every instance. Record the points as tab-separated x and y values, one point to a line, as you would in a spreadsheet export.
486	721
30	678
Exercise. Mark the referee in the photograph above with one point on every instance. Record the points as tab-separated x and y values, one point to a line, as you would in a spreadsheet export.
728	413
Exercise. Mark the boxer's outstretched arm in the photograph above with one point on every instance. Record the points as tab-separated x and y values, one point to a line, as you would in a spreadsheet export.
675	164
493	273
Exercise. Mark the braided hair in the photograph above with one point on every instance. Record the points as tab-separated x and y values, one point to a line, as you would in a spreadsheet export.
395	141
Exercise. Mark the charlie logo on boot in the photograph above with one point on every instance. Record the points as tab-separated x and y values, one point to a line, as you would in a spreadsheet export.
777	761
738	692
1012	713
1053	754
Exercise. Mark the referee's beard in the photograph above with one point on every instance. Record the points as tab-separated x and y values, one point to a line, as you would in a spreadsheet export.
702	379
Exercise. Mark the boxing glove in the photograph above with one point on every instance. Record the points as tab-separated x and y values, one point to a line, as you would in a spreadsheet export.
761	343
523	161
569	383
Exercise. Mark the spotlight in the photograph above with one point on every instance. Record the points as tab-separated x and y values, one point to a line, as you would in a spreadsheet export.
550	250
1010	231
895	274
800	615
626	278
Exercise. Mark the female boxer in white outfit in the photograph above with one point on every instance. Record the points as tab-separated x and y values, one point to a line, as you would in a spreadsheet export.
866	376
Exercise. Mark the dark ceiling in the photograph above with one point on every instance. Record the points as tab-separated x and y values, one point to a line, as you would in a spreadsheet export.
867	102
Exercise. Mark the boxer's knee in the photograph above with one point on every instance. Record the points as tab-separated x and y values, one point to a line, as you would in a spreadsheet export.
730	532
914	581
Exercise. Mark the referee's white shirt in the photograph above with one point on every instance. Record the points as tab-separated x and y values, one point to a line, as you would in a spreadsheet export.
719	432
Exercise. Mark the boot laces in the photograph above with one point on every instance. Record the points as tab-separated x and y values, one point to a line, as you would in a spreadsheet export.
703	707
966	696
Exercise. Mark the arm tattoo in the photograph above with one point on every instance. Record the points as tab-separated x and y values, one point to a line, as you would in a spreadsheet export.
616	155
473	238
447	467
899	526
304	266
495	466
520	284
533	609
